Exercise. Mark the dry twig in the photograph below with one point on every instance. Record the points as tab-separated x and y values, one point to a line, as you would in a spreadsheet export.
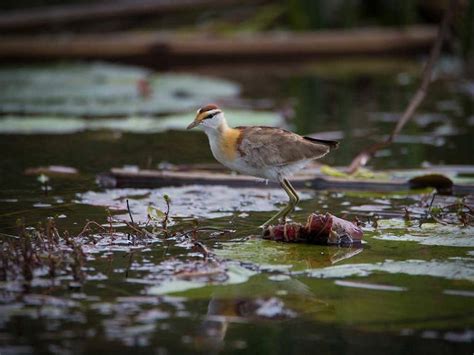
363	157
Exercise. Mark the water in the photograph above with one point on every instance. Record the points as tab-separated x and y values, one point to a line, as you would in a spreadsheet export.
408	289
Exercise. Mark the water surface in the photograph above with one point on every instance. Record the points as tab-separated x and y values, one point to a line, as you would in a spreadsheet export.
407	289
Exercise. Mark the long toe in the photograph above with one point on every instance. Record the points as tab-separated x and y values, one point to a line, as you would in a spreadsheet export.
265	225
269	222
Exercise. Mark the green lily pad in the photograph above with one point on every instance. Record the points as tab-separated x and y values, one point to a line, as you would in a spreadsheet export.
451	269
427	234
235	275
274	256
105	90
134	124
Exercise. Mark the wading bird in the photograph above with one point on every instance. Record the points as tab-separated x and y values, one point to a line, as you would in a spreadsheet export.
271	153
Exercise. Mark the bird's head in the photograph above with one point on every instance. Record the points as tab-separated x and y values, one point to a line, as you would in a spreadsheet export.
209	116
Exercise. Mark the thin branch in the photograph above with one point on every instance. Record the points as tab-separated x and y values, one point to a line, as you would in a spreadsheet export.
130	212
363	157
87	228
9	235
199	247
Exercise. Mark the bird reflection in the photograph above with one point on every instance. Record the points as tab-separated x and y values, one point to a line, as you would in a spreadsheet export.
282	297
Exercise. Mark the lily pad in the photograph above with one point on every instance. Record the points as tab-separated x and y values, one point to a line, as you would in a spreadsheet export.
449	269
134	124
233	274
279	257
105	90
427	234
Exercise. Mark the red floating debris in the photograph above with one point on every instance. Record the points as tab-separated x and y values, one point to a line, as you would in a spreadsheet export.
144	88
319	229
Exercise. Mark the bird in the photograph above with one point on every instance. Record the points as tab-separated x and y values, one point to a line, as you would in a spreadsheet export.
271	153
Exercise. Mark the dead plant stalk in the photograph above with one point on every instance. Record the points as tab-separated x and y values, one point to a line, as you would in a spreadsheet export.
365	155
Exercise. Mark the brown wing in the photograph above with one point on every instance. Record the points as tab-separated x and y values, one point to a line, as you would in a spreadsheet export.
269	146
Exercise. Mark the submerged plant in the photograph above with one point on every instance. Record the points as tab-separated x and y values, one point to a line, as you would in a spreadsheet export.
45	253
41	252
21	255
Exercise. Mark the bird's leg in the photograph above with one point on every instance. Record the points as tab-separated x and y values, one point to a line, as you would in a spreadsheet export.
294	198
297	198
294	192
288	208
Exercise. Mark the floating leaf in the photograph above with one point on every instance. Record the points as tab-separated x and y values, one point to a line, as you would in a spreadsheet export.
330	171
361	173
155	214
134	124
427	234
100	89
319	229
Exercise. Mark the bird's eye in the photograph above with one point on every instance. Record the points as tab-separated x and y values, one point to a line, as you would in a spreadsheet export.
210	115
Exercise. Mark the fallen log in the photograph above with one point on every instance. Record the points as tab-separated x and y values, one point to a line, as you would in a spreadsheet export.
88	12
119	178
163	48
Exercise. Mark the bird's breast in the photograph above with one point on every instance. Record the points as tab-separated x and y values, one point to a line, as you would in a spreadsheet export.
225	145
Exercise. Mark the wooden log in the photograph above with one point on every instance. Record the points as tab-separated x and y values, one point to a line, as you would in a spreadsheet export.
119	178
334	42
74	13
164	47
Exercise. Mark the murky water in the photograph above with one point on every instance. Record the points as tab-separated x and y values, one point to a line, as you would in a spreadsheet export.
407	289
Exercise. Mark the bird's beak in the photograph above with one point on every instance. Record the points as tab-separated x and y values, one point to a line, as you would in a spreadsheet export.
193	124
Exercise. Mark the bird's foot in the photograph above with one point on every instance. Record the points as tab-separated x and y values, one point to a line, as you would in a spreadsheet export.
273	221
270	221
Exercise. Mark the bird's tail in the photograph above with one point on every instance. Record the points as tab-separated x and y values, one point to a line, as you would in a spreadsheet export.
329	143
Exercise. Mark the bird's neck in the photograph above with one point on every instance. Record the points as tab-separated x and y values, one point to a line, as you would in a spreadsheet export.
219	130
223	140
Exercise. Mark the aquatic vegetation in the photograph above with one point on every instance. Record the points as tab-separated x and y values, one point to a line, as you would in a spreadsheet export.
427	234
102	89
188	201
36	255
319	229
197	274
134	124
452	269
44	256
